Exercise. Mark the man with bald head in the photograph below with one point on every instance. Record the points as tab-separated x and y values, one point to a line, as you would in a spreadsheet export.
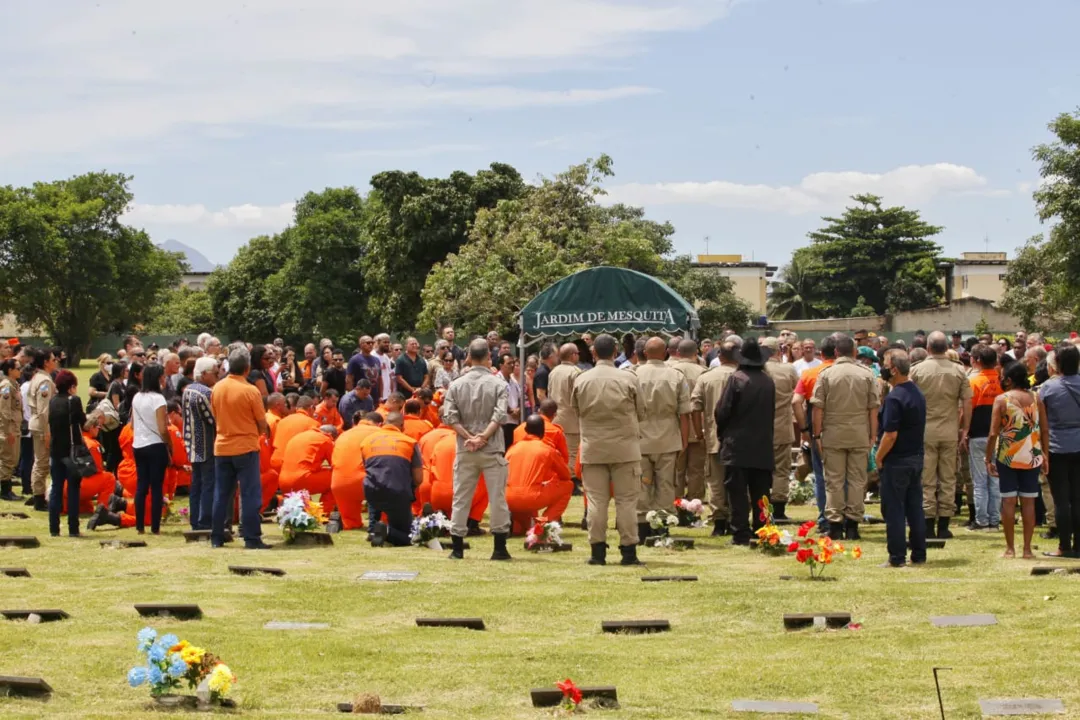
560	389
539	481
308	464
948	419
703	400
664	430
690	466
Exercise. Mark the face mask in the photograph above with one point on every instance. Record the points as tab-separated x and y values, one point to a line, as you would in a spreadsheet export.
108	369
886	373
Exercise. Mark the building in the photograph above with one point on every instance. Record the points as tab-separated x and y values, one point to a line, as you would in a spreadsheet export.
976	275
195	280
750	279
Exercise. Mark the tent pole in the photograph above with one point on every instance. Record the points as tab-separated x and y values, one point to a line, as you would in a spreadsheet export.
521	363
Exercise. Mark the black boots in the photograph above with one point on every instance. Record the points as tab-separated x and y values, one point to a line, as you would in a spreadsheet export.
836	530
719	528
6	493
500	547
474	529
458	553
629	555
599	554
585	520
377	534
117	503
40	503
102	516
334	526
779	511
943	528
931	530
851	530
643	531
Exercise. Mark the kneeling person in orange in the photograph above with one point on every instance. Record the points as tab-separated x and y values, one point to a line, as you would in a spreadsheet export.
416	426
392	472
553	432
539	478
347	476
427	452
268	476
289	427
303	466
178	474
442	484
96	489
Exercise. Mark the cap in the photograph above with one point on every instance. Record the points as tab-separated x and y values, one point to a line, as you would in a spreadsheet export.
13	342
957	333
771	343
867	352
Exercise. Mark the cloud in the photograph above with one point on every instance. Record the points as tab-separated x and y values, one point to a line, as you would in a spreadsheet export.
911	184
423	151
270	218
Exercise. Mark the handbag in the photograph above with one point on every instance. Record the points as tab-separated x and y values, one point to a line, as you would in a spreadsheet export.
109	414
81	463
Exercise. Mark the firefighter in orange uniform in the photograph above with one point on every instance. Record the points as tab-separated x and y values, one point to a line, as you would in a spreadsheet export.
392	472
289	427
416	426
303	469
442	484
347	477
539	478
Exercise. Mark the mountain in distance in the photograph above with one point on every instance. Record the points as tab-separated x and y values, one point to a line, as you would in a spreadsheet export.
196	261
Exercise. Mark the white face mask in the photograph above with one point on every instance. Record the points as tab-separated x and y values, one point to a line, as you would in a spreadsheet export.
108	369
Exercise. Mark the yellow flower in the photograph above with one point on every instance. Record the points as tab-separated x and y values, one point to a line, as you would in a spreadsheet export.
179	647
221	679
192	655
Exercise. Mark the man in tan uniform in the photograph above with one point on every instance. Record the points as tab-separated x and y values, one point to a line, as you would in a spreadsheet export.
11	416
672	350
609	405
560	389
948	418
703	400
784	379
845	403
41	391
664	431
690	467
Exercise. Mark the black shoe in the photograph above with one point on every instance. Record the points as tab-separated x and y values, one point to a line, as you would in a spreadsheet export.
29	501
98	518
40	504
719	528
851	530
943	528
585	522
644	530
256	545
334	526
6	493
780	511
836	530
117	503
1051	534
458	553
931	530
599	554
377	534
474	529
629	555
577	487
500	547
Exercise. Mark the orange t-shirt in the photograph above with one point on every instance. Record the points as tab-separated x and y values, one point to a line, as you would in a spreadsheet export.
553	436
533	462
809	379
287	429
347	461
238	408
305	454
416	427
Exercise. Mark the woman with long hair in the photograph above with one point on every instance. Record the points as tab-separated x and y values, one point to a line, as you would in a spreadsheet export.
259	375
66	419
291	374
150	426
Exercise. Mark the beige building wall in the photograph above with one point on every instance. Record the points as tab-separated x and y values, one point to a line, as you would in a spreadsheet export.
749	280
979	281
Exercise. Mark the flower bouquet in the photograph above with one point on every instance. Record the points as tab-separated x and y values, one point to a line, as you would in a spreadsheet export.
689	512
801	492
818	553
543	535
571	695
171	661
771	539
427	529
299	514
661	521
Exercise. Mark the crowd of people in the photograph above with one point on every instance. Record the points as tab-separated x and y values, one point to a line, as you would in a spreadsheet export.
387	432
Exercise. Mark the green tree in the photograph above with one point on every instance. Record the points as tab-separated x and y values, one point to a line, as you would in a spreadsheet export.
238	291
1041	282
413	223
861	309
71	268
795	294
179	311
880	253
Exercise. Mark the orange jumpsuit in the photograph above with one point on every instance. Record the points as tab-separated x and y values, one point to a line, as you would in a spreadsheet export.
538	478
176	475
96	489
272	419
327	414
553	436
268	476
442	481
287	429
347	477
427	450
416	427
125	471
431	414
303	466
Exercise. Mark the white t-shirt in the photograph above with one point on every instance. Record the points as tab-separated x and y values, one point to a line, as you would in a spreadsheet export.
802	366
144	418
387	366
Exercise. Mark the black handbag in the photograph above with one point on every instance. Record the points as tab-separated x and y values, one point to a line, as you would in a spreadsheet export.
81	463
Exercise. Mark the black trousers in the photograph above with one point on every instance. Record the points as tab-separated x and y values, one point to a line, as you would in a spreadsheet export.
901	505
1065	486
745	487
151	462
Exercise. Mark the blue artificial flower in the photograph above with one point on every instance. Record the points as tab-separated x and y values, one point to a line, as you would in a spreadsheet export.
146	638
177	667
157	653
136	676
154	675
169	640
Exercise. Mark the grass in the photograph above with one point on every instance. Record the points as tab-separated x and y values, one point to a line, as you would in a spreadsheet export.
543	615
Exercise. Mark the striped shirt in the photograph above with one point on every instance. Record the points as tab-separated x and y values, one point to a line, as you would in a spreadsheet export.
199	426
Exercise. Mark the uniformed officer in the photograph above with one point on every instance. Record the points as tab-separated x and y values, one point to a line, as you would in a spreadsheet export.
784	380
946	389
475	407
845	402
703	401
560	389
40	392
11	415
664	430
690	467
609	405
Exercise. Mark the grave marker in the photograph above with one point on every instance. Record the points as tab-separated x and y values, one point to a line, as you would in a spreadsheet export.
678	542
963	620
203	535
251	570
44	615
552	697
179	611
311	538
386	709
669	578
470	623
19	541
120	544
796	621
933	544
14	515
25	686
564	547
15	572
277	625
774	707
873	520
1055	570
635	626
389	575
1021	707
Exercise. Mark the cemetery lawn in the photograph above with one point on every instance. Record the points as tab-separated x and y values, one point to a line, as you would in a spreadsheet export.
543	615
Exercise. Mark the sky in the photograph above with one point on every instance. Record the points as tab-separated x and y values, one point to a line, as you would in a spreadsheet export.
740	121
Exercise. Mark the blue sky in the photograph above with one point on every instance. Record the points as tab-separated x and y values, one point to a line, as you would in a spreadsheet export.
743	120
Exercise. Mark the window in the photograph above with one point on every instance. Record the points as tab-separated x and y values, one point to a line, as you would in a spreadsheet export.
1001	277
965	285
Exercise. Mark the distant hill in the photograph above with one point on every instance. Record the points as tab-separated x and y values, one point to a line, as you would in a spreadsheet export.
195	259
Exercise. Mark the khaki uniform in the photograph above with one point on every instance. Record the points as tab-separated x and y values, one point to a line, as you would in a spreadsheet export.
609	405
706	394
945	387
11	417
41	392
846	393
667	399
784	379
560	389
690	466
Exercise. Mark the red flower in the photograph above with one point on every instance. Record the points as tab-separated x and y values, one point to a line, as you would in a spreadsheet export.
793	547
763	517
805	528
803	555
761	503
570	691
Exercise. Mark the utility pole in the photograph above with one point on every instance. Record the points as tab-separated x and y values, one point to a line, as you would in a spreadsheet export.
706	244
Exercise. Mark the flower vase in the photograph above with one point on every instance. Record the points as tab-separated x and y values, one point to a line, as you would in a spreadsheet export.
434	544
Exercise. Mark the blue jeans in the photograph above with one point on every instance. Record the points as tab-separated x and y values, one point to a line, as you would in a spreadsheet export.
985	487
230	471
901	502
819	487
61	473
26	463
201	494
398	509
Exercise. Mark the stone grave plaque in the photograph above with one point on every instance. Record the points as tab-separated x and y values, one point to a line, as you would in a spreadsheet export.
19	541
387	709
45	615
796	621
181	611
25	686
552	697
119	544
252	570
278	625
1056	570
311	538
669	578
635	626
203	536
774	707
564	547
963	620
933	544
1021	707
15	572
389	575
680	543
9	515
873	520
470	623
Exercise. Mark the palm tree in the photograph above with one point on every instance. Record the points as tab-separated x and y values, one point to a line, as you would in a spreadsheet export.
793	296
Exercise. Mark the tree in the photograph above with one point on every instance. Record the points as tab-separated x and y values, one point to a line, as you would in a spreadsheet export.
879	253
795	295
1040	283
179	311
415	222
861	309
69	265
238	291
